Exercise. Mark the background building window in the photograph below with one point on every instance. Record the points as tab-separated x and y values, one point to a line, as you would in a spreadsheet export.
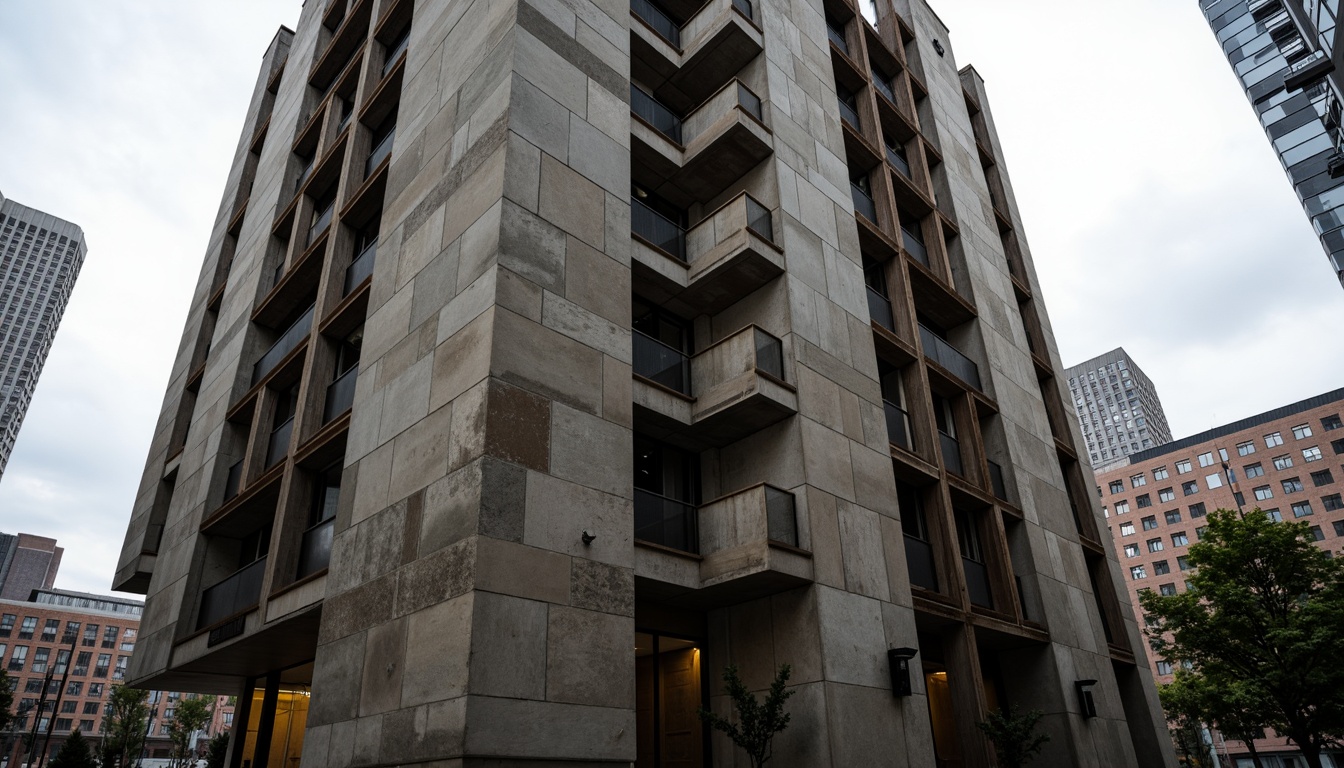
1254	470
1179	539
1302	431
1273	439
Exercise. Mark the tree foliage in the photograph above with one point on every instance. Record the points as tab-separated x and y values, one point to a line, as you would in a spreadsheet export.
6	702
74	753
757	722
124	725
1260	627
189	716
1014	736
218	750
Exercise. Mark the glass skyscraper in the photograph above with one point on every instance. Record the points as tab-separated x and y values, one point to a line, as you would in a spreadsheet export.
1283	52
40	257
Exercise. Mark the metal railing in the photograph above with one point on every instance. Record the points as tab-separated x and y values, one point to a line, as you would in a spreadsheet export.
863	203
661	363
883	87
278	446
380	153
996	481
837	36
949	357
848	113
898	425
655	113
914	246
287	342
879	309
305	173
340	395
658	20
315	549
348	112
233	595
769	354
759	219
749	102
977	583
667	522
781	516
321	222
951	453
919	561
233	480
361	267
898	160
657	229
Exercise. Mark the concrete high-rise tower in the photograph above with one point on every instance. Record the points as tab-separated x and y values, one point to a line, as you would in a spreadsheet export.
1284	55
1117	407
40	257
549	357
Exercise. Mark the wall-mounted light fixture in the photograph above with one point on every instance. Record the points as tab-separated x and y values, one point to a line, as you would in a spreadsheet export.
1085	701
899	659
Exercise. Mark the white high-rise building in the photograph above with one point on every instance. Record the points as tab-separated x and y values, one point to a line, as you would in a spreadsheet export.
40	257
1118	408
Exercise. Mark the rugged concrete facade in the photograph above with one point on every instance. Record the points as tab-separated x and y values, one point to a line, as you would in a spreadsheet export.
629	368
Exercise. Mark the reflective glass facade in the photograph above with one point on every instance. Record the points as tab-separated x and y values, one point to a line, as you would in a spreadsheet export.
1281	52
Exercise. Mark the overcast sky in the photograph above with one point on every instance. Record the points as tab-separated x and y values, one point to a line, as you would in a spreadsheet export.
1157	213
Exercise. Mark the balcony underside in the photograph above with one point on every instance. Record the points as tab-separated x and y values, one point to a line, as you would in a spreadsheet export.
713	281
683	80
720	156
729	577
731	411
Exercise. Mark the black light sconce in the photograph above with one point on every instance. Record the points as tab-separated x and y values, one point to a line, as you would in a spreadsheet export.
938	46
899	659
1085	701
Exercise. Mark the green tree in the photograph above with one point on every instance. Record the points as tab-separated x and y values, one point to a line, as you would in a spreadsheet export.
191	715
6	702
1192	700
1014	736
1263	617
757	722
74	753
219	749
124	725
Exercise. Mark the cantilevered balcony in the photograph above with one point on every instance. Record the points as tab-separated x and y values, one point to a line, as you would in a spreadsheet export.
684	63
737	387
750	542
287	343
728	255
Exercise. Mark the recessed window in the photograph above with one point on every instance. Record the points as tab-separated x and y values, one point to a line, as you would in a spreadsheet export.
1183	563
1301	509
1331	423
1126	529
1324	477
1283	462
1122	507
1205	459
1166	494
1197	510
1274	514
1199	532
1273	439
1160	473
1190	488
1333	503
1117	486
1292	485
1173	516
1302	431
1167	589
1311	454
1179	539
1338	445
1155	545
1183	466
1161	568
1316	533
1138	480
1164	667
1246	448
1138	572
1144	500
1213	481
1264	492
1149	523
1131	550
1339	527
1254	470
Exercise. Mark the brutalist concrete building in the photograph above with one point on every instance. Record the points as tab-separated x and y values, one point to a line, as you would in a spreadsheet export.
1284	56
549	356
40	257
1118	408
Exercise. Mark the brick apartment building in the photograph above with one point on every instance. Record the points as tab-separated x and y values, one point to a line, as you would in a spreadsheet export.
86	641
1288	461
